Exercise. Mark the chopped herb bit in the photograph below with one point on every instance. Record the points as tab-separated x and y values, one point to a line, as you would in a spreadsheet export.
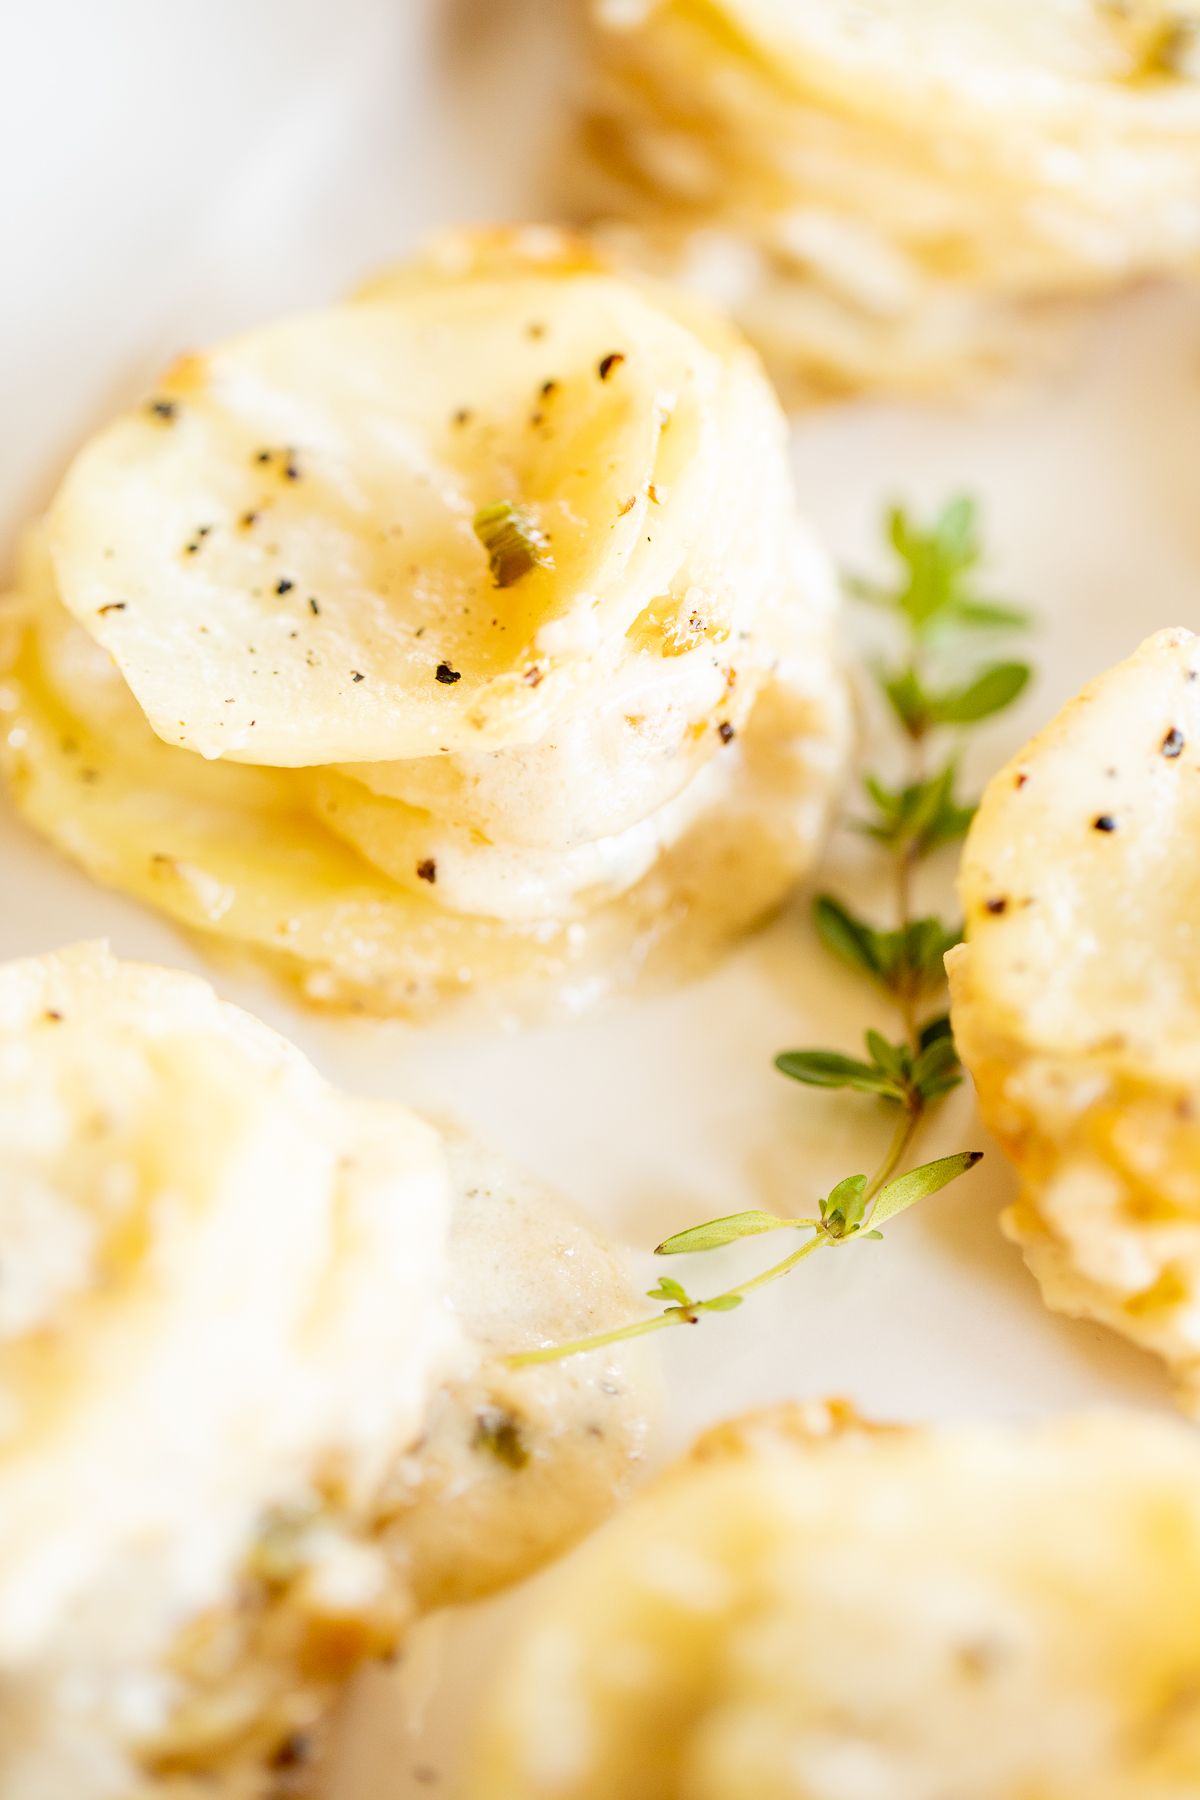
498	1431
514	543
427	870
446	675
608	363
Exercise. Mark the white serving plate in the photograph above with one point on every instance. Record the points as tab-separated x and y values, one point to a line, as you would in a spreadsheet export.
170	172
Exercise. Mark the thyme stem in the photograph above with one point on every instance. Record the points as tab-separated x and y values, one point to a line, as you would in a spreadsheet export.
524	1359
933	598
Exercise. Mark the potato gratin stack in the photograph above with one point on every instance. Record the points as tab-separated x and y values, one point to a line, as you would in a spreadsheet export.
463	635
1076	998
803	1611
251	1417
883	188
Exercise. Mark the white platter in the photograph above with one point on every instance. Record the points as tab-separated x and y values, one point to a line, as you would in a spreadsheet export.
169	172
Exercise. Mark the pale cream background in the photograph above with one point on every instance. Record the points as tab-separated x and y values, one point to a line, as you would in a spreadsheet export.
170	171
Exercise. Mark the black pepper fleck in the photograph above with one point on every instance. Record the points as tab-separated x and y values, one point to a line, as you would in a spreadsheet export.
248	519
996	906
112	606
296	1748
427	870
725	732
608	363
357	675
312	604
1104	822
446	675
548	388
166	410
284	585
1172	744
463	416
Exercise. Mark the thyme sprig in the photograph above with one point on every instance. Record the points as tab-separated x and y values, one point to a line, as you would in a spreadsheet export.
931	686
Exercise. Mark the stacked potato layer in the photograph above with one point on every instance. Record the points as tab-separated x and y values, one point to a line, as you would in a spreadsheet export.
886	191
273	673
1077	998
251	1415
891	1616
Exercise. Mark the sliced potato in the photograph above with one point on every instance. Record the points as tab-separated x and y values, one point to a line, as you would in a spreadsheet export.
239	853
1077	998
888	194
255	1414
326	461
655	697
817	1613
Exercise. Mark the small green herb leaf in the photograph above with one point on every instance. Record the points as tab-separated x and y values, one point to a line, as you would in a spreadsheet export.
842	1212
830	1069
513	542
909	701
988	693
991	615
893	1059
937	1069
666	1289
917	1184
918	818
718	1232
720	1303
852	939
